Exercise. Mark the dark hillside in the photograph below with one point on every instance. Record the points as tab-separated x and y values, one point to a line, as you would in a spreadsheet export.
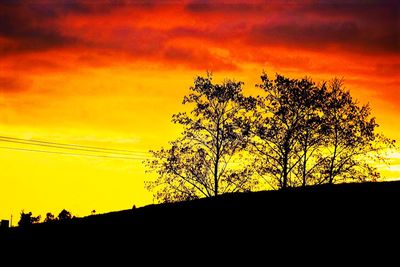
321	213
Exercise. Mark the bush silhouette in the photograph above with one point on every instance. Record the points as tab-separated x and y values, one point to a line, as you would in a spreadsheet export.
27	219
49	217
64	215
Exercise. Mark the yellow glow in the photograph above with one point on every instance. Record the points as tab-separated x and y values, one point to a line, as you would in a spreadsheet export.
123	108
112	108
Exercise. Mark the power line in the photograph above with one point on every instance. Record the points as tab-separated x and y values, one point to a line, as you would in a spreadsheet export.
67	153
62	147
69	145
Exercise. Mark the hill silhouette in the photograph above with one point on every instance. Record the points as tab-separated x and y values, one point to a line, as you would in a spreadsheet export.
320	214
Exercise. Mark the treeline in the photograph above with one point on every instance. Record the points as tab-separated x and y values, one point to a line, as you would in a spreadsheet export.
294	133
27	218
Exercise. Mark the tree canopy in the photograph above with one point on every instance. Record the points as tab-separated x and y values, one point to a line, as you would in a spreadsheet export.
309	134
27	219
286	125
200	162
64	215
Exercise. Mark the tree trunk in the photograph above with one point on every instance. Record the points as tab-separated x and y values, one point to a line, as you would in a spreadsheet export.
304	182
285	165
331	167
284	176
304	171
216	174
217	156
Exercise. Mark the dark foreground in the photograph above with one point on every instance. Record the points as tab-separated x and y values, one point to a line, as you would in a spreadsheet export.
311	219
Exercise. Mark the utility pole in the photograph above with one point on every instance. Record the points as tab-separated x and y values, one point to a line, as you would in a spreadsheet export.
11	221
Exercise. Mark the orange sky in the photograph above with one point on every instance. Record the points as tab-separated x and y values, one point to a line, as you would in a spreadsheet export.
111	74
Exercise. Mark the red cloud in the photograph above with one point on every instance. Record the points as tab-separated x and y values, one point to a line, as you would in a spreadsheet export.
168	33
10	84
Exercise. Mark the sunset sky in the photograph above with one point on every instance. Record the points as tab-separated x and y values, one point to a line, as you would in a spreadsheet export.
110	74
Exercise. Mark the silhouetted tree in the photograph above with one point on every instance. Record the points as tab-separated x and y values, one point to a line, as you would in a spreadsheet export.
199	164
27	219
287	126
352	142
49	217
298	133
64	215
310	134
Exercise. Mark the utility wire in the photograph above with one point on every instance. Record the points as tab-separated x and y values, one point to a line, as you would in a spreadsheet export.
67	153
63	147
70	145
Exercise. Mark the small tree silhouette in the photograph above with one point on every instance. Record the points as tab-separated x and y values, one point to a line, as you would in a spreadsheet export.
64	215
27	219
49	217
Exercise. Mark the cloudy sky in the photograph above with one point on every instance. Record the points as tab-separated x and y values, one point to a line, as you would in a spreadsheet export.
111	73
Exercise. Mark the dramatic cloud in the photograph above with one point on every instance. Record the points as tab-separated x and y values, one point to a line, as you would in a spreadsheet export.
150	29
223	7
363	26
217	35
13	85
343	35
29	28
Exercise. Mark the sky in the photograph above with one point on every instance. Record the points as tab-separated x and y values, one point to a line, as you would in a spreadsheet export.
110	74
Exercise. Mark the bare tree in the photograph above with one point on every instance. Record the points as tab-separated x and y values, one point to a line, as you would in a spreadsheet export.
311	133
297	132
353	144
201	162
287	129
307	134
